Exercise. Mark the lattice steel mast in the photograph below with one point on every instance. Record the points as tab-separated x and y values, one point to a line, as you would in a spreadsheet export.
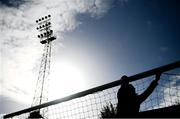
41	91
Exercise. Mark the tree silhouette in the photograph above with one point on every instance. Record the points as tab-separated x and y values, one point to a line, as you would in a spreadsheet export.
108	111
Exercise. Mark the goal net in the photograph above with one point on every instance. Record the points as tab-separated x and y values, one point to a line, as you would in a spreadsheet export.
90	104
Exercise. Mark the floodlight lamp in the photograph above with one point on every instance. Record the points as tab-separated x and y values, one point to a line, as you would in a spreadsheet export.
49	15
36	21
45	17
39	36
39	19
37	28
42	18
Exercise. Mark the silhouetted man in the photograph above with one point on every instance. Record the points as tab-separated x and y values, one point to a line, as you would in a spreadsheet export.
128	101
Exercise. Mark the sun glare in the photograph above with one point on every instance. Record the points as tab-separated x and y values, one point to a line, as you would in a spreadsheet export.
65	79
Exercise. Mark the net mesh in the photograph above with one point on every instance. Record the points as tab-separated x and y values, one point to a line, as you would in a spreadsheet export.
166	94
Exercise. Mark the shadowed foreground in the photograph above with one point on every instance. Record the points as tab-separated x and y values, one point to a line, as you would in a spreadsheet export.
167	112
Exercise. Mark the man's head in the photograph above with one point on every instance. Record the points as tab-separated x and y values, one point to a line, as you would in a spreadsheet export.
125	79
130	88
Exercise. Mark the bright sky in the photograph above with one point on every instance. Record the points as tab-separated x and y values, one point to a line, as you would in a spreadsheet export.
98	41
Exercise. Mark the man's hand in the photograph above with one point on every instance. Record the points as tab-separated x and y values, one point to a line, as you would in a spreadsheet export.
158	75
155	82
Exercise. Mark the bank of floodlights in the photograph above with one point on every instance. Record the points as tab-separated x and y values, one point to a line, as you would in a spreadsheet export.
44	25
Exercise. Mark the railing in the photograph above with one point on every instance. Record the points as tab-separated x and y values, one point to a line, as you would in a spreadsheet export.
90	103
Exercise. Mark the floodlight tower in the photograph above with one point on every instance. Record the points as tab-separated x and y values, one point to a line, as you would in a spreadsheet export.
41	91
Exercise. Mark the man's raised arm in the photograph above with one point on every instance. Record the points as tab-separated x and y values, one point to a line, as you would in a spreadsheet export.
150	89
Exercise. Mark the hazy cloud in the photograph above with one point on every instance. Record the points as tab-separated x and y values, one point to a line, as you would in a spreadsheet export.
164	48
8	104
12	3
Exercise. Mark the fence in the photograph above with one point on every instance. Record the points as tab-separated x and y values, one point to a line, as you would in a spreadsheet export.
90	103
